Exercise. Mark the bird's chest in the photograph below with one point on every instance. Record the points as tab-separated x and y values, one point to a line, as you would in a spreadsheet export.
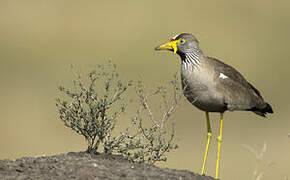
199	88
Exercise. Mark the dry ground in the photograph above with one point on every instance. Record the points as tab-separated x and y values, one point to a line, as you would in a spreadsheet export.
81	165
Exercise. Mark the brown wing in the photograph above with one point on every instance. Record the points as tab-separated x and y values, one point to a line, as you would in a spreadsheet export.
238	93
256	90
229	71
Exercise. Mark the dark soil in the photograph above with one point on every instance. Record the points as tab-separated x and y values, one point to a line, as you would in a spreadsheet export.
82	165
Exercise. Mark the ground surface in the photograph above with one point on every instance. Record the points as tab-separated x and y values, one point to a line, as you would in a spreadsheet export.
82	165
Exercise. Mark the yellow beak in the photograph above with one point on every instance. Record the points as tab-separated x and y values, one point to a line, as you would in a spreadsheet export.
172	45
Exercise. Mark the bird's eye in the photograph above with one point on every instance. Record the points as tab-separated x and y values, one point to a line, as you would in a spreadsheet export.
182	41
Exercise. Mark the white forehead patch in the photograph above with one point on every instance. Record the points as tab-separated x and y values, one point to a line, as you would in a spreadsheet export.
223	76
176	36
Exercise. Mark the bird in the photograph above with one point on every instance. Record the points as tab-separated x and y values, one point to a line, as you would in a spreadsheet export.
213	86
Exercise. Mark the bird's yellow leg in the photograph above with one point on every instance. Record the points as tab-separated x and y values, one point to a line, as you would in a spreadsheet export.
208	142
219	141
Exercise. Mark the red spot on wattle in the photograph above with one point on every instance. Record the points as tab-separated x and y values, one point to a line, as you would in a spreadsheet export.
172	39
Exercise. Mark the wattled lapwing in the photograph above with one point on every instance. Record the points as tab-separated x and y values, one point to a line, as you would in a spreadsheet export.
213	86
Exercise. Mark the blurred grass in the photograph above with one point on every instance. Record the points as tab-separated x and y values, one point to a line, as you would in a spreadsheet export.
40	39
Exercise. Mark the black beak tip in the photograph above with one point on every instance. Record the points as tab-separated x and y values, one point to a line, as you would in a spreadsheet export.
157	48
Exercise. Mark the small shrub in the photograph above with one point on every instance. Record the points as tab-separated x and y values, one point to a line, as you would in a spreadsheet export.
90	112
93	108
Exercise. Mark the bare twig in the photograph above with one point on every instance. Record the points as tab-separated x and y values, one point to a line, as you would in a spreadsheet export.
259	156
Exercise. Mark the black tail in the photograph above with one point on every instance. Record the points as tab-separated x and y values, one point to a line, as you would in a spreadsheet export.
263	111
268	109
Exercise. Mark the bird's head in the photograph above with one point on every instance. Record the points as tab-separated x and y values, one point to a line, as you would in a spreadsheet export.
180	44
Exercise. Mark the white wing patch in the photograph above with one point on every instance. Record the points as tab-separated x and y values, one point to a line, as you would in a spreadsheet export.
223	76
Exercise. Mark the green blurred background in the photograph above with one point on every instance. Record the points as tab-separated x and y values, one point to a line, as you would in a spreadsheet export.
39	39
